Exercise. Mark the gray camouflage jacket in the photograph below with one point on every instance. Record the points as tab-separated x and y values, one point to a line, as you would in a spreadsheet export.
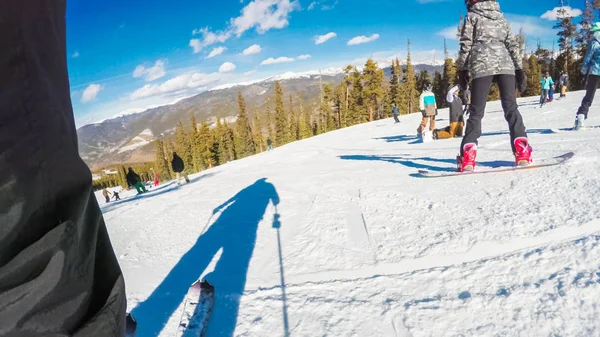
487	46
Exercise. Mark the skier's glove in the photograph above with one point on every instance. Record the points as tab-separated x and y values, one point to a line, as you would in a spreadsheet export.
463	79
521	80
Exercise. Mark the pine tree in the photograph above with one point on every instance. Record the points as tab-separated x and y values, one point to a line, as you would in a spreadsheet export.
410	85
566	33
394	93
197	159
421	80
438	89
448	80
294	129
183	147
356	113
269	122
533	77
257	133
348	83
226	144
244	142
339	102
281	123
373	78
326	120
169	149
123	177
304	125
160	162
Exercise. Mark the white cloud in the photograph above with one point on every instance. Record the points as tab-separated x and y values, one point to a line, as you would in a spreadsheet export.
271	60
324	38
150	74
253	49
182	83
227	67
557	13
76	55
363	39
312	5
251	72
325	4
303	57
449	33
216	51
264	15
91	92
208	38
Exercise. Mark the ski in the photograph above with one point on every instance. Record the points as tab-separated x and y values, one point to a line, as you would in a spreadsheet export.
481	170
197	309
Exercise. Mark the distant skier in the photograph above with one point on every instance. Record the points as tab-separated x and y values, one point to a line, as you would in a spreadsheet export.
106	195
491	54
551	94
178	167
156	180
428	108
269	144
134	180
547	84
396	113
116	196
466	99
590	68
563	84
457	122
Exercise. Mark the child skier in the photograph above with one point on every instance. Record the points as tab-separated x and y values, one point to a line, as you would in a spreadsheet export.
106	195
457	122
489	52
116	196
428	108
590	68
547	84
563	84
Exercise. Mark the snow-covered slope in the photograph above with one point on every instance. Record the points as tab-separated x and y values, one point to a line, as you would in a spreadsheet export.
342	239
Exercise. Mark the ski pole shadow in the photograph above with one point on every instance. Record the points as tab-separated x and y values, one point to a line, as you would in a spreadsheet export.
233	234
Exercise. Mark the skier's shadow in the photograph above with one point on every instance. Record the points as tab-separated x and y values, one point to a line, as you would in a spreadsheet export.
234	233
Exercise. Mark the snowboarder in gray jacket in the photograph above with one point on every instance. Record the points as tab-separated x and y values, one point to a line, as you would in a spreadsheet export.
489	53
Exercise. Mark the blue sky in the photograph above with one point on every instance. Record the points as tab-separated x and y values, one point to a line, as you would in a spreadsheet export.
126	56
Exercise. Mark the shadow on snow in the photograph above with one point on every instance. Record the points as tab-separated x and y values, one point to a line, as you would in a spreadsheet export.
154	192
414	139
234	234
411	162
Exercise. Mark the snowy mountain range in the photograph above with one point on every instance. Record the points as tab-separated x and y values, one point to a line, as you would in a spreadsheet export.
119	139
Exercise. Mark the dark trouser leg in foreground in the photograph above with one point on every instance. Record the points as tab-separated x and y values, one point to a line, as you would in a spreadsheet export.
508	98
479	93
590	92
396	119
58	272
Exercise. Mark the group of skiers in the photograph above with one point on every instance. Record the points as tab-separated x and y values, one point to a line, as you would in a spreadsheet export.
490	54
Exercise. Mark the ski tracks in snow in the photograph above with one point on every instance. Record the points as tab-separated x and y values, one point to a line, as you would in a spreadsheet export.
479	252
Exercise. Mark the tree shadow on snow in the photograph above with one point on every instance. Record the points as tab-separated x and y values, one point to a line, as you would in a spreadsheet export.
413	162
233	233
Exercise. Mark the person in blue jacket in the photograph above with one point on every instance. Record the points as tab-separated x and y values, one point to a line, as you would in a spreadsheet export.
590	68
396	113
547	84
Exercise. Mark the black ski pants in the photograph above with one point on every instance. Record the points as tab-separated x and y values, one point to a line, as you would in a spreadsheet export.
479	94
396	119
58	273
590	91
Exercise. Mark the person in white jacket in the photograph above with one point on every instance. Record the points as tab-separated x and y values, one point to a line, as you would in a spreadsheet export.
457	122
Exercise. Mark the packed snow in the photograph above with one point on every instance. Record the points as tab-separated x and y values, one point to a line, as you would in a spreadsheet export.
336	235
144	138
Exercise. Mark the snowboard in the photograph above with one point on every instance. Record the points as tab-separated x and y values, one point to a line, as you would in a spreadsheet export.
197	309
585	128
481	170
